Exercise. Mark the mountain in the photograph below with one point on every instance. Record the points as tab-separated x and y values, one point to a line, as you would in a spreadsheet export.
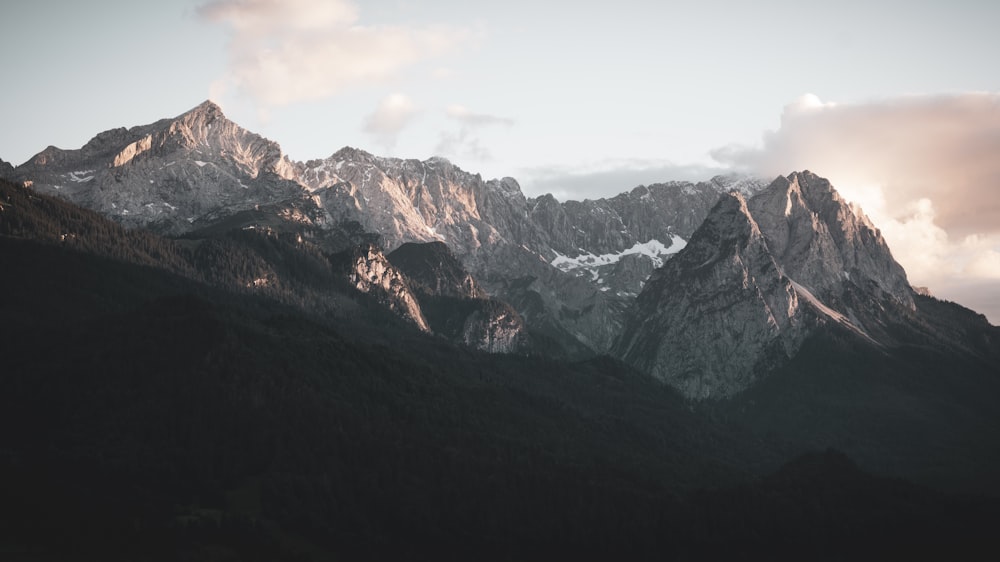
785	314
759	277
569	268
709	321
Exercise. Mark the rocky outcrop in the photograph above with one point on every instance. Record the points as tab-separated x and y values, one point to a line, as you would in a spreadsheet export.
755	280
494	327
434	269
368	270
453	302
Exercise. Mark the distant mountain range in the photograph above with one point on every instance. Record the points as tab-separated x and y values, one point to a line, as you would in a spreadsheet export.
734	323
572	270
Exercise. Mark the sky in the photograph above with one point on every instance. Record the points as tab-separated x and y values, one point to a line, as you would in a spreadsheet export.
897	103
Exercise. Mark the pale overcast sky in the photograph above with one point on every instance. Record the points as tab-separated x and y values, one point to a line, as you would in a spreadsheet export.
898	103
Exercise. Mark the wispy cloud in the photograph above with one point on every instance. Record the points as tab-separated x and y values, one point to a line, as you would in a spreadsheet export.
465	142
925	168
391	116
284	51
472	119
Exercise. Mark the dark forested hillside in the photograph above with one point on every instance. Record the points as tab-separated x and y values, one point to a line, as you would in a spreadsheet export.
151	411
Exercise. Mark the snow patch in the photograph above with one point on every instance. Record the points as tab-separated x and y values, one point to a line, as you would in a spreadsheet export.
653	248
200	163
81	176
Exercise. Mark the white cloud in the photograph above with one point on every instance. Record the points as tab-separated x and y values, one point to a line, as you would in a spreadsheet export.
393	114
924	168
284	51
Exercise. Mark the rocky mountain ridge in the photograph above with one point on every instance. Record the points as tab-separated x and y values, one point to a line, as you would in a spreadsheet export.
575	272
572	266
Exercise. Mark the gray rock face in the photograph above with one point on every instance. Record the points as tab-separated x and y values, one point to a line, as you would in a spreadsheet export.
756	279
708	320
825	244
833	252
608	226
6	170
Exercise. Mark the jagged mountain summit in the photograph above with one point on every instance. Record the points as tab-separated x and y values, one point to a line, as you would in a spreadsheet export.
710	318
570	268
757	279
822	241
171	176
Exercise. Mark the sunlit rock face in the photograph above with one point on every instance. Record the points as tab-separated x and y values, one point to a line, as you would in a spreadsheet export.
370	272
758	277
410	200
172	175
824	243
